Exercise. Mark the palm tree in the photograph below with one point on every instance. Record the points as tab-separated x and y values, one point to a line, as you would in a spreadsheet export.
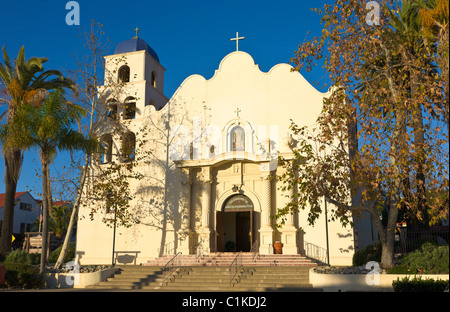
58	221
24	82
408	27
434	17
49	128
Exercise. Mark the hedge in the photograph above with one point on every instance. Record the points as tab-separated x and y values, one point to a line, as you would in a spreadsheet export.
417	284
22	275
429	259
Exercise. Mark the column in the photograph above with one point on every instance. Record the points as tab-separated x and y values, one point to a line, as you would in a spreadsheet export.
205	229
185	234
266	230
289	229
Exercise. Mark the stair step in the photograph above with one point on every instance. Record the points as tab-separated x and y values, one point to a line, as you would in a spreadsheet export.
212	273
220	259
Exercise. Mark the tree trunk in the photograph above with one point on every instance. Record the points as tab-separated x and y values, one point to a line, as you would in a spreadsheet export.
396	151
443	65
13	163
73	216
387	254
49	194
419	141
386	233
45	209
8	213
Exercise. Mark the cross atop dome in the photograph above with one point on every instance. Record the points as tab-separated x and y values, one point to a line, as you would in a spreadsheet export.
136	30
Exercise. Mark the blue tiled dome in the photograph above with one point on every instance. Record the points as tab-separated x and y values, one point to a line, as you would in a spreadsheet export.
135	44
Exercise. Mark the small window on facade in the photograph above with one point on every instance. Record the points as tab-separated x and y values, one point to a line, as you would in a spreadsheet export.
26	206
107	147
153	81
237	139
112	109
128	147
130	108
124	74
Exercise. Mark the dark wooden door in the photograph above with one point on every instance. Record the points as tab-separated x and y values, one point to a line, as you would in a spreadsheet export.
253	224
243	231
220	232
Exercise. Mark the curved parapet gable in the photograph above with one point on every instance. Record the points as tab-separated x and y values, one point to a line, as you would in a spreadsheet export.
239	61
264	98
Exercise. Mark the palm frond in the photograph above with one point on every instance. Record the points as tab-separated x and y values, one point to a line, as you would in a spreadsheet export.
6	71
7	60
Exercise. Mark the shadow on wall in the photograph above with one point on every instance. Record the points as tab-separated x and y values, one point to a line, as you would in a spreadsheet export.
160	193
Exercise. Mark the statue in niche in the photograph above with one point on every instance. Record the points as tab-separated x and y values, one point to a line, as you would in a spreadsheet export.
238	139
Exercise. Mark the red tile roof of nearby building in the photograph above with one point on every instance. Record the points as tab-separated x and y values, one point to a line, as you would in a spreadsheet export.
60	203
2	197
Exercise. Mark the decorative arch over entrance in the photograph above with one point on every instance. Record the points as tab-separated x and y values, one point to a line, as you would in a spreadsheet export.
238	203
236	224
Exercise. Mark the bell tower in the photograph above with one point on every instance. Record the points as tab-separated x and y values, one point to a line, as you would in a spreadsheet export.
135	67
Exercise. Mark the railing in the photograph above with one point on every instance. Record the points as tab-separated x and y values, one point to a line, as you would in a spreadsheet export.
235	268
170	268
270	251
408	239
199	251
255	251
316	252
168	249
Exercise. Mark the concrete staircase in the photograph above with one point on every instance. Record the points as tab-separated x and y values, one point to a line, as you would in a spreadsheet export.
209	279
216	278
226	258
131	277
212	273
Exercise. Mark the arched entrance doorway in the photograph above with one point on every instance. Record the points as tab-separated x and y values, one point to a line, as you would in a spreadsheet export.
236	224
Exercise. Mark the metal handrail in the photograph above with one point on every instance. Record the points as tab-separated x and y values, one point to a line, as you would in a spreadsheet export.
168	249
316	252
270	250
235	267
255	251
198	250
170	267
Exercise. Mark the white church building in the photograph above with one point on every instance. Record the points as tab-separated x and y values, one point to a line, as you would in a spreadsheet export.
208	178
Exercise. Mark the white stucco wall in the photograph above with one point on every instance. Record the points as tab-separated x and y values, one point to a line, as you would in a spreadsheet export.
266	103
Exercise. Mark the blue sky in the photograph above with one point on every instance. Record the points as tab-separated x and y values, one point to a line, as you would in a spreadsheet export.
190	37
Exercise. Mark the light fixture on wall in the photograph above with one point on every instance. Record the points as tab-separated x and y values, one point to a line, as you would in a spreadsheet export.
235	188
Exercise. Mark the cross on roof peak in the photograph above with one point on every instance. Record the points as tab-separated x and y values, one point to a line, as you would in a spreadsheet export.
237	40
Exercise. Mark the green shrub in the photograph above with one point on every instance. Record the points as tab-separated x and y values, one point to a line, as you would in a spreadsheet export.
21	256
401	269
54	255
418	285
23	275
370	253
17	256
35	258
429	259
